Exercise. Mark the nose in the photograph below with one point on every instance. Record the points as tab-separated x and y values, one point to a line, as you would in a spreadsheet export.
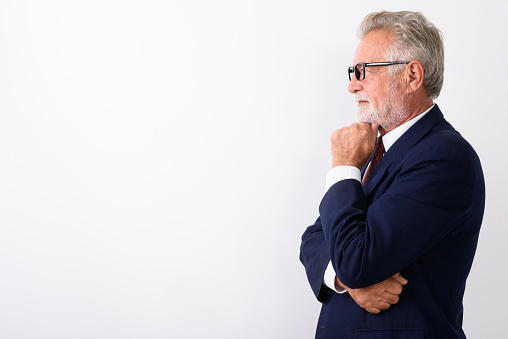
354	85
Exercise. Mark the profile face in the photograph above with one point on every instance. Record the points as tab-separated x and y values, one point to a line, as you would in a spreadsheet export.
379	94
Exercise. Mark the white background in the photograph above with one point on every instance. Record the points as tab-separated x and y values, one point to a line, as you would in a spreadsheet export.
159	160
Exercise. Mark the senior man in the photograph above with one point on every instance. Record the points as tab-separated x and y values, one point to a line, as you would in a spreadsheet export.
397	231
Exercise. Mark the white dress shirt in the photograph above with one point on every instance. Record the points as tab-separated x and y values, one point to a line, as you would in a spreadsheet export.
339	173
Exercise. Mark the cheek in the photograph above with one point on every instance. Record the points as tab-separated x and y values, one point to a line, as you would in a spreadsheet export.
378	97
375	100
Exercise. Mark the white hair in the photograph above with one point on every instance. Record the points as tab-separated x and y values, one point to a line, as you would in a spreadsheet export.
416	38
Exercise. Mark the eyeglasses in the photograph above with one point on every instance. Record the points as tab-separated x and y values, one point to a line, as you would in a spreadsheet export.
359	68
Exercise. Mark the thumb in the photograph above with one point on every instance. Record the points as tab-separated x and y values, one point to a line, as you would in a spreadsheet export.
374	128
400	278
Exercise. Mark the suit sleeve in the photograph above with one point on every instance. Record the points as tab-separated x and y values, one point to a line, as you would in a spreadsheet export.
427	200
315	258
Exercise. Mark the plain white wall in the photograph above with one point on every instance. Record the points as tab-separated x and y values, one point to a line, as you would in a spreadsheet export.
160	160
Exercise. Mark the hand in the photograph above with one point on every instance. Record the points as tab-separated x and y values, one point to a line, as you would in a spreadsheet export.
378	297
353	145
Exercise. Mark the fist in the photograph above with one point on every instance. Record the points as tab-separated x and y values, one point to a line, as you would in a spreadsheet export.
352	146
378	297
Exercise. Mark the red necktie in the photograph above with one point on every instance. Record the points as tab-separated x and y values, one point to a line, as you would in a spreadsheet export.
378	154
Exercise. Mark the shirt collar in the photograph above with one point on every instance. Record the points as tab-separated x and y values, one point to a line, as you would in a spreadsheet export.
392	136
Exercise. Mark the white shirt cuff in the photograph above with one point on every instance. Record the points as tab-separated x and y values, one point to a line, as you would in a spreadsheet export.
339	173
329	279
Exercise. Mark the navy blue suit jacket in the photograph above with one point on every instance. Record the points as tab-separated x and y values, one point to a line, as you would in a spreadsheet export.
419	214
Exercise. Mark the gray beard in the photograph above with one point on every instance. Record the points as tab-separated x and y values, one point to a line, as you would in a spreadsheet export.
391	115
387	117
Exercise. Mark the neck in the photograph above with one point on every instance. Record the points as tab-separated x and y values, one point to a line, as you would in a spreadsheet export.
414	109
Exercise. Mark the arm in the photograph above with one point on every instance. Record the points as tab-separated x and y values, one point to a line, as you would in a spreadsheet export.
426	200
315	257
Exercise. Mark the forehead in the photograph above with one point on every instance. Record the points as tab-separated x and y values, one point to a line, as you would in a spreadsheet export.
373	46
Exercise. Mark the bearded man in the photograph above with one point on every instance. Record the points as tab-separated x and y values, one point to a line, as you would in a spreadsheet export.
397	231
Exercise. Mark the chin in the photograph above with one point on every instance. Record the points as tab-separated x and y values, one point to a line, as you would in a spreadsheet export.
368	116
387	117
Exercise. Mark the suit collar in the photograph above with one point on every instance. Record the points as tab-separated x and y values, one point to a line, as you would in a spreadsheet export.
414	134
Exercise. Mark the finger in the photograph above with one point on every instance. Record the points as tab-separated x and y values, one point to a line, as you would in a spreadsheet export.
373	131
393	287
390	298
400	278
373	310
382	305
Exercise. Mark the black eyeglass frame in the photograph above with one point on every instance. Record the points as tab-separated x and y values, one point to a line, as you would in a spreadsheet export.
352	69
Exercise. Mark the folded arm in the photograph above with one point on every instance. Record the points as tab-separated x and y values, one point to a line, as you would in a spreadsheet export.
315	257
424	202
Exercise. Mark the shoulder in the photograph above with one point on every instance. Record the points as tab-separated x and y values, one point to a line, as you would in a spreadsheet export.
443	153
443	141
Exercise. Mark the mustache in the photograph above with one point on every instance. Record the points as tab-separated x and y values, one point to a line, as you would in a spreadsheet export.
359	96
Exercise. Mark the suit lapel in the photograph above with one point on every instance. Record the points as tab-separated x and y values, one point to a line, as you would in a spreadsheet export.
401	146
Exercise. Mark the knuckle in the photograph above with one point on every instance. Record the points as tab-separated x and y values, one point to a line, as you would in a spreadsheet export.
393	300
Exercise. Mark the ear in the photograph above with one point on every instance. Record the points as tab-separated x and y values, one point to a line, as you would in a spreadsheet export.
414	74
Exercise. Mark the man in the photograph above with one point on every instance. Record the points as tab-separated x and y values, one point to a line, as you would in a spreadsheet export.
397	231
